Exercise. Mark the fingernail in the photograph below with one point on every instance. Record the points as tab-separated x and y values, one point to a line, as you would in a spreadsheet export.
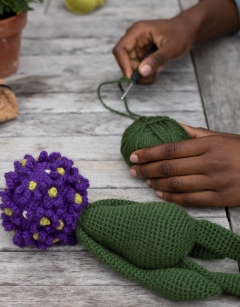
146	70
134	158
133	172
159	69
159	194
148	182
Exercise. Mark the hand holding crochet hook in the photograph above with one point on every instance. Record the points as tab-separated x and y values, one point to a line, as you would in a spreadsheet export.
205	170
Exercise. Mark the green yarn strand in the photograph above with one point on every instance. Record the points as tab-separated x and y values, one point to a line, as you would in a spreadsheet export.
119	83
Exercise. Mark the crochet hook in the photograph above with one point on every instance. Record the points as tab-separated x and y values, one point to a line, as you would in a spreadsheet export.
136	77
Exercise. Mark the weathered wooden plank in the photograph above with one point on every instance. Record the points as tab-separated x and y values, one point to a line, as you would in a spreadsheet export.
82	125
59	22
185	4
219	80
100	296
234	218
72	268
61	63
85	65
99	148
37	83
110	11
139	102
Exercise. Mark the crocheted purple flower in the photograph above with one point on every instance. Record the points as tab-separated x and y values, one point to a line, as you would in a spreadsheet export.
43	201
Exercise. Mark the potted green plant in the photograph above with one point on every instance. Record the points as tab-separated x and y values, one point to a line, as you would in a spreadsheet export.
13	17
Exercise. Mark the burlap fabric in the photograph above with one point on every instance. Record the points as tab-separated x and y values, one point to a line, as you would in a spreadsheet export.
8	103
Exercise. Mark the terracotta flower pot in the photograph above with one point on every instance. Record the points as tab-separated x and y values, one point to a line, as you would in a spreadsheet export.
10	42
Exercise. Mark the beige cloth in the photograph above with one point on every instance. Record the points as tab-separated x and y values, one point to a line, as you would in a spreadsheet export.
8	104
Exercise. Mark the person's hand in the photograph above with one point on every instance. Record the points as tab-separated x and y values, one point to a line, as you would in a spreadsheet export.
173	38
202	171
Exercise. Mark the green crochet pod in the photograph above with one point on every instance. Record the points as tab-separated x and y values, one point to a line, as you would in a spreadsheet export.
150	244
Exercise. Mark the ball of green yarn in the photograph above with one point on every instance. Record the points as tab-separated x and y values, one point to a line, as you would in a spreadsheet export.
150	131
82	6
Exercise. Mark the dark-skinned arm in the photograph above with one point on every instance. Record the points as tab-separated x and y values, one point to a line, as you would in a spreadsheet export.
174	37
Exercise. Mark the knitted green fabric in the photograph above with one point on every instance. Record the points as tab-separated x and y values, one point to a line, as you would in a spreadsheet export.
149	243
150	131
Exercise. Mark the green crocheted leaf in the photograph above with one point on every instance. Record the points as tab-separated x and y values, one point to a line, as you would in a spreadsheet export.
150	235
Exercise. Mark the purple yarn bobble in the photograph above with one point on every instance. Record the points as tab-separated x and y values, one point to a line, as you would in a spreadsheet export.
43	201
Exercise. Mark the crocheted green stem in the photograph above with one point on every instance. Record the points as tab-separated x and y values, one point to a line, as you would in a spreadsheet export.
119	83
217	239
229	283
150	242
174	283
201	252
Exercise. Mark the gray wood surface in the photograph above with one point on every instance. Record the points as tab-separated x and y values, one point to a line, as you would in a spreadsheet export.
64	57
219	78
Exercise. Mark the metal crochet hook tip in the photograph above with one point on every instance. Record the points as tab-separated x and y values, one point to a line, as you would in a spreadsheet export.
127	90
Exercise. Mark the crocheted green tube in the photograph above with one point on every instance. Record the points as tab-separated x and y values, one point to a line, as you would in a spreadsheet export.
150	244
151	131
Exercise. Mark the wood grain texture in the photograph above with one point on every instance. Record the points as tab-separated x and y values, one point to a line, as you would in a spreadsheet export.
218	74
100	296
185	4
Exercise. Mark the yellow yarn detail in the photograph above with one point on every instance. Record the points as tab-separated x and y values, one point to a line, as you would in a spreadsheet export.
79	181
8	211
82	6
56	240
44	221
61	170
35	236
13	232
24	162
36	159
60	227
52	192
32	185
78	198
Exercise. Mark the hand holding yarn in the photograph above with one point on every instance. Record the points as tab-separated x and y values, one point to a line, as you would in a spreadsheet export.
202	171
46	203
188	166
144	132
